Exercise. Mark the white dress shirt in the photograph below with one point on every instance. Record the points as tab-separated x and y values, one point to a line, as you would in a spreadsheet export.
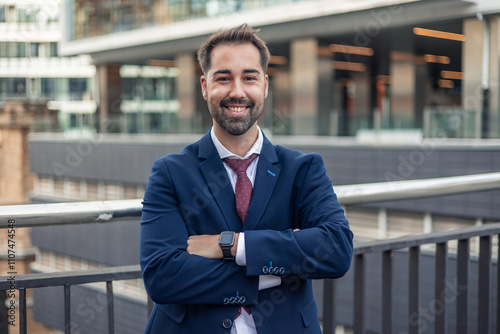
245	324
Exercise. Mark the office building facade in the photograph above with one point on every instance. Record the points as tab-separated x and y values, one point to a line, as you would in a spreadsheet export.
338	68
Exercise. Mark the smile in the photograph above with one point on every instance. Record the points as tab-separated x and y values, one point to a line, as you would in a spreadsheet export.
236	109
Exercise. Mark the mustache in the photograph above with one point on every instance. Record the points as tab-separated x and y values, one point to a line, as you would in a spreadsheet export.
229	101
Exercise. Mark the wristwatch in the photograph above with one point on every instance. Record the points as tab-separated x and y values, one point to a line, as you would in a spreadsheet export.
226	241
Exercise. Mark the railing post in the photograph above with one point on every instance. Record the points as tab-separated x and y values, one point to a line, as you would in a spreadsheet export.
462	285
483	310
387	291
67	309
151	304
111	307
329	320
498	285
359	294
23	327
440	286
414	255
4	326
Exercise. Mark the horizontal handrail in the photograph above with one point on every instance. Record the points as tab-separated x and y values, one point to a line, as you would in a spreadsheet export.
412	189
38	280
415	240
32	215
41	280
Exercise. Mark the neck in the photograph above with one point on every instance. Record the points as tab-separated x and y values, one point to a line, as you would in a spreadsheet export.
238	145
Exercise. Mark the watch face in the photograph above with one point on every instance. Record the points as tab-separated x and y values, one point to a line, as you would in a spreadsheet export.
226	238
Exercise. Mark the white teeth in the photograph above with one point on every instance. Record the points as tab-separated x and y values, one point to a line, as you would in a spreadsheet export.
237	109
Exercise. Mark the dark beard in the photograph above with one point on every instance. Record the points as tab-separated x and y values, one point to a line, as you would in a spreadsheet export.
235	126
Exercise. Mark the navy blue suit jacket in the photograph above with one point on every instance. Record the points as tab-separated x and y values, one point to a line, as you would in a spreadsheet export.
190	194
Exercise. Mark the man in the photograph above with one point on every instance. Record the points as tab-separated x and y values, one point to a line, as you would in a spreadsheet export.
229	245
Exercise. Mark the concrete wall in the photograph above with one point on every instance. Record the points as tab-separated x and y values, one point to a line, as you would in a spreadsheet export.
128	160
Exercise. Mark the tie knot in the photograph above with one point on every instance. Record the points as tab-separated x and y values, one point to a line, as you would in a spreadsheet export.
240	165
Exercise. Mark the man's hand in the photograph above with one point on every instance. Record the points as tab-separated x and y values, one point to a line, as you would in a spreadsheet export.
208	246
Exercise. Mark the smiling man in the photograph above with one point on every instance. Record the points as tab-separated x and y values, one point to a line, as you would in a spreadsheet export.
234	228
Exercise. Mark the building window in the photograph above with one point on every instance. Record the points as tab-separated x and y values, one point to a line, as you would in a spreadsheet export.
2	14
12	87
26	14
19	86
20	49
47	88
53	49
77	88
34	49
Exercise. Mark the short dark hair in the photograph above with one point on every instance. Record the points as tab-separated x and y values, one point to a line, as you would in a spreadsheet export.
242	34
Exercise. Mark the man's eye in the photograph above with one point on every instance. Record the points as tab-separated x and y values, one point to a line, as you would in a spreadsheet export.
222	79
250	78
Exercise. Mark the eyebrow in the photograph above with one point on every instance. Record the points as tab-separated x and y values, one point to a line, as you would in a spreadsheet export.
226	71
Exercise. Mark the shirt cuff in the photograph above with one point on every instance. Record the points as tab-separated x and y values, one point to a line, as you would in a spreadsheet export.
241	258
268	281
265	281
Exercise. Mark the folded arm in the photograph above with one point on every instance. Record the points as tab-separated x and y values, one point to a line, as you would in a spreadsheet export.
171	274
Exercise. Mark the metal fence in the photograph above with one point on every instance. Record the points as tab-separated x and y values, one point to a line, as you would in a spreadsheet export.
108	211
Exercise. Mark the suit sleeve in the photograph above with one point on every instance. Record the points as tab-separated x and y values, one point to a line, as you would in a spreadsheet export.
171	275
323	246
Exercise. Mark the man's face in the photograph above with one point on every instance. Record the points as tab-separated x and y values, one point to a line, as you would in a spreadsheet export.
235	87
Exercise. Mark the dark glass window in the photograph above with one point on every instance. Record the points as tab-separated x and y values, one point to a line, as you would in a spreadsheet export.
77	87
18	86
34	49
2	14
48	87
53	49
20	49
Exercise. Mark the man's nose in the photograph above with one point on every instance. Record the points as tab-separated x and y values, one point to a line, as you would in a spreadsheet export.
237	90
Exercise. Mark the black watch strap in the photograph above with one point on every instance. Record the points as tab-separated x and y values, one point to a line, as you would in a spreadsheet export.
226	242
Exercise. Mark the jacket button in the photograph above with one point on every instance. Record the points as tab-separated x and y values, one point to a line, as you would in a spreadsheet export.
227	323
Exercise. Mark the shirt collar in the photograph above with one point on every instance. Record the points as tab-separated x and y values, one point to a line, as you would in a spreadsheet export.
225	153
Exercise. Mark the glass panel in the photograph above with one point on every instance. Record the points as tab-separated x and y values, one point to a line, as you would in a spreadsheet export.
19	86
48	88
20	49
2	14
4	49
77	88
34	52
93	17
53	49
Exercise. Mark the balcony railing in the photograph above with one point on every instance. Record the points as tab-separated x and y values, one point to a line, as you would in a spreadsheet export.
108	211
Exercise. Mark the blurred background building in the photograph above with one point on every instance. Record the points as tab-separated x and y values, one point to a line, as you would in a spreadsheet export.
385	90
337	67
31	68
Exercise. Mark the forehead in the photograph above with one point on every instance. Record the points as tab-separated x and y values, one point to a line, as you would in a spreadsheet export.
235	57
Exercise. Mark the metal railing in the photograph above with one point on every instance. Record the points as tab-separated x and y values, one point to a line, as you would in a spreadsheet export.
108	211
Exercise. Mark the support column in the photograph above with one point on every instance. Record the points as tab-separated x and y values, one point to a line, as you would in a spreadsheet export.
16	118
281	121
325	90
363	112
304	88
403	76
472	68
186	92
15	178
494	112
403	81
108	87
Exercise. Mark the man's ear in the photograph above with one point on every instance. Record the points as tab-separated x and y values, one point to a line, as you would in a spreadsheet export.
203	82
266	77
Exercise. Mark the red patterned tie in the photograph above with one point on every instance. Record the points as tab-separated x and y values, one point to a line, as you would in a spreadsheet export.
243	195
243	188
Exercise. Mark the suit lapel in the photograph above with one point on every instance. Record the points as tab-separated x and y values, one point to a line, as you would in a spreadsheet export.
265	181
217	182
